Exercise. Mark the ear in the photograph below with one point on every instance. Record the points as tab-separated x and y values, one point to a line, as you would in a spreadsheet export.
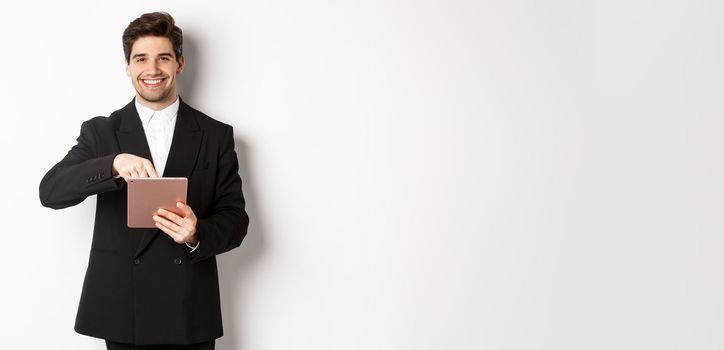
181	64
128	67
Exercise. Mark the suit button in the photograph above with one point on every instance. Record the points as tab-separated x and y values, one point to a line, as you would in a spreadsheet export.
137	261
177	261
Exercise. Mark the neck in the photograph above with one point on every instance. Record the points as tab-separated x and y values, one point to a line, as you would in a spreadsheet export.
159	105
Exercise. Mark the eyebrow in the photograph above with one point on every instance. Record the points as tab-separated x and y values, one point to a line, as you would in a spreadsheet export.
164	54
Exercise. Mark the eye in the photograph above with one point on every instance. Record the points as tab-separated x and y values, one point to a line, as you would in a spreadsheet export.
165	58
140	59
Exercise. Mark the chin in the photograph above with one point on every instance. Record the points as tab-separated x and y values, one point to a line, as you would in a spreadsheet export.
155	98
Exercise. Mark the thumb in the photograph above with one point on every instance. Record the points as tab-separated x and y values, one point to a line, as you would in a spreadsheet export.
185	209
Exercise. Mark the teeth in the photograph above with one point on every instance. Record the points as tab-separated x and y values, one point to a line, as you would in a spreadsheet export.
152	81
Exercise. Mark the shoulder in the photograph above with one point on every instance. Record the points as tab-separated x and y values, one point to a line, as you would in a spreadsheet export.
100	123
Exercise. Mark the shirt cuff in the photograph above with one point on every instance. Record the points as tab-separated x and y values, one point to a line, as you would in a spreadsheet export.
193	248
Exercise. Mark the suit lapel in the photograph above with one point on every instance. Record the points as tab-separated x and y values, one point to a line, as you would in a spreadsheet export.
182	155
185	144
130	134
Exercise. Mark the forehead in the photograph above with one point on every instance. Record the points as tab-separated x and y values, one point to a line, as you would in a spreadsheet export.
152	45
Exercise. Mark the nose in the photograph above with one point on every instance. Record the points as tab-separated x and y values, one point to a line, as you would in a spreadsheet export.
153	67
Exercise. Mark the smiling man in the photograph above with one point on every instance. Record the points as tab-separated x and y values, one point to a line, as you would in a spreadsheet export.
153	67
153	288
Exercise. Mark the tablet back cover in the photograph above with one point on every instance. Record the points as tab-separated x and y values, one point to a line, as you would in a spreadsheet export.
146	195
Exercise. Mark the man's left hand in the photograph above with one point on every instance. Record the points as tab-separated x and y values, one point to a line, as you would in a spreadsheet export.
181	229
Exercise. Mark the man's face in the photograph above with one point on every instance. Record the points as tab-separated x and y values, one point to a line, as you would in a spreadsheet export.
153	69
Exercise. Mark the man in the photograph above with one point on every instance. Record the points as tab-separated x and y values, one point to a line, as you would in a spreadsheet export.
153	288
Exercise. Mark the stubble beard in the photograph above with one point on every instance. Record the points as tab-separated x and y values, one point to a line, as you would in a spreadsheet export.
154	97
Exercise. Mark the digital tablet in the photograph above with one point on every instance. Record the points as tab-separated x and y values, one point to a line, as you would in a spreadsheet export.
147	195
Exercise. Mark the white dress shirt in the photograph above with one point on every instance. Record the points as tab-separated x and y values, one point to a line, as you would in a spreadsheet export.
158	127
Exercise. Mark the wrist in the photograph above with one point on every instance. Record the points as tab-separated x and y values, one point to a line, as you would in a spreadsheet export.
193	241
114	172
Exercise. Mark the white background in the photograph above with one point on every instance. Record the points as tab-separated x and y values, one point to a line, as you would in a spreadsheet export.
419	174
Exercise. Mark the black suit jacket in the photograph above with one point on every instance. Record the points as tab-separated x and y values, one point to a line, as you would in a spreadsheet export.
140	286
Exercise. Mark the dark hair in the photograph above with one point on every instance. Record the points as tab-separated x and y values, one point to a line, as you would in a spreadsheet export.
153	24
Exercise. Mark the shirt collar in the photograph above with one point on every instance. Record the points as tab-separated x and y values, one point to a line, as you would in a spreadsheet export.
167	114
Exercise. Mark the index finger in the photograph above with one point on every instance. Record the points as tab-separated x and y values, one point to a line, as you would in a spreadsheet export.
169	215
150	169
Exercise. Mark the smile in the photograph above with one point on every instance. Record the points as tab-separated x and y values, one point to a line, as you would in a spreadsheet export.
151	82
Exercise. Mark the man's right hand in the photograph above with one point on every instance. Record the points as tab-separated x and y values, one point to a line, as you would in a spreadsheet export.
128	166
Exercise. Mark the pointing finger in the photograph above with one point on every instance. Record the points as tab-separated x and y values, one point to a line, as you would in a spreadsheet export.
150	169
141	172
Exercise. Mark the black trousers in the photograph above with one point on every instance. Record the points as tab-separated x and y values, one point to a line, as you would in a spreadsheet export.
209	345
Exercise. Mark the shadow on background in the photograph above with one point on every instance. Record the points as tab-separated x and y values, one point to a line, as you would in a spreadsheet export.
188	79
235	267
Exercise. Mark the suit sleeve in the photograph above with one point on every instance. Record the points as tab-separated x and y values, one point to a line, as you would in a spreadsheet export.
227	225
80	174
